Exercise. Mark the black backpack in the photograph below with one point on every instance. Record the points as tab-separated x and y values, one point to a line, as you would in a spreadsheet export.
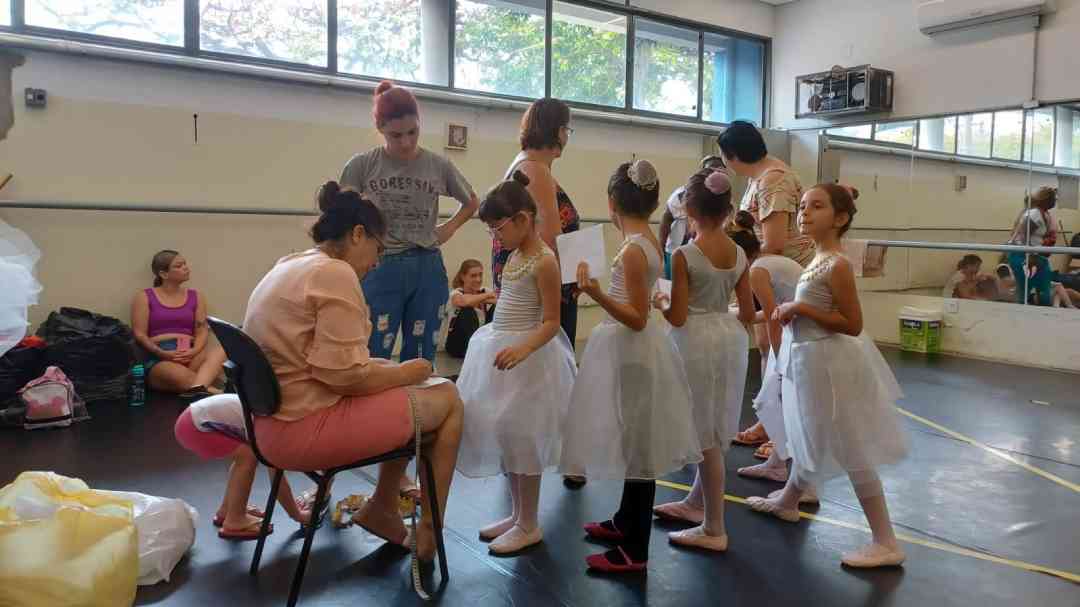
461	330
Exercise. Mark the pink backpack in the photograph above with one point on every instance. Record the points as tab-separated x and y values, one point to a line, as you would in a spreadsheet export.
51	401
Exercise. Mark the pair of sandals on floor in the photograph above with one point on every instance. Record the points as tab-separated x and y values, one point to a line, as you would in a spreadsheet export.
304	503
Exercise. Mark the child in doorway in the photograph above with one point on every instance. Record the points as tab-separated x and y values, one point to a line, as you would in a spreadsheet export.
839	394
470	307
712	342
630	414
213	428
518	372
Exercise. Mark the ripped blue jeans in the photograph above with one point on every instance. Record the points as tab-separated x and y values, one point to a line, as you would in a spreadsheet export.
408	292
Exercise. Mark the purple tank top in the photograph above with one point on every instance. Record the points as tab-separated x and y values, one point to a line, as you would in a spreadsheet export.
164	319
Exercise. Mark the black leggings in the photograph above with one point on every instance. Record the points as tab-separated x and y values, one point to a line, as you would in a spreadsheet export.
634	518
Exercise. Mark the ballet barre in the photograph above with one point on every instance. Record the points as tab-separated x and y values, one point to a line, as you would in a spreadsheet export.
244	210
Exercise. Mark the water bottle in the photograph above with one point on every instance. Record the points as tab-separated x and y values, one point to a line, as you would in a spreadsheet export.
138	385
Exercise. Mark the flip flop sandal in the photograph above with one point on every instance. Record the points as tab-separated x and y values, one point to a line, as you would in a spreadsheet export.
344	510
600	562
749	438
252	510
244	534
765	450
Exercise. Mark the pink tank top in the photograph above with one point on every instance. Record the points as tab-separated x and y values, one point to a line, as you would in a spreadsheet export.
164	319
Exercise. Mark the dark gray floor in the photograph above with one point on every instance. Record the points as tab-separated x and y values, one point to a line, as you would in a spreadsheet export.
947	492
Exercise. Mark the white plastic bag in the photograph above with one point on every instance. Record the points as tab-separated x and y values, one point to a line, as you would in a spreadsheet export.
166	529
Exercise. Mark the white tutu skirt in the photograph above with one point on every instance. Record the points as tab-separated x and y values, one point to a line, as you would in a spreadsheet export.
714	348
630	414
513	418
770	408
839	402
18	255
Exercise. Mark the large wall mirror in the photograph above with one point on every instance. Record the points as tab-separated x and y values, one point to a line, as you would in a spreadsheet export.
980	177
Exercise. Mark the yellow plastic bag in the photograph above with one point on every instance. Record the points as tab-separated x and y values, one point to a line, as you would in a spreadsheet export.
63	544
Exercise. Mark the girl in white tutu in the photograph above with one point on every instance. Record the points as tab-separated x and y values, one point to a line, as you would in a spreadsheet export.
838	392
773	279
518	371
712	342
630	414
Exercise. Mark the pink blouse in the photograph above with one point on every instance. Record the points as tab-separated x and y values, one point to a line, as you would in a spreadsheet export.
309	316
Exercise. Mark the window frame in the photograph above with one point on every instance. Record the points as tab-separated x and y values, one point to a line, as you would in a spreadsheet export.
191	48
1026	113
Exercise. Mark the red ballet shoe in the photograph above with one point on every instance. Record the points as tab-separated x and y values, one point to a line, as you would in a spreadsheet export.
601	532
602	564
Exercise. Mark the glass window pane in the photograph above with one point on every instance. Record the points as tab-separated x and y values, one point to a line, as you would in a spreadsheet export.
1075	143
499	47
282	30
938	134
665	68
896	132
733	79
1039	136
5	12
588	55
394	39
1008	127
158	22
973	135
859	131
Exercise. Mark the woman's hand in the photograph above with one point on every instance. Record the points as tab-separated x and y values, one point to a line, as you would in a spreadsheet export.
491	298
785	313
588	286
511	357
661	301
417	370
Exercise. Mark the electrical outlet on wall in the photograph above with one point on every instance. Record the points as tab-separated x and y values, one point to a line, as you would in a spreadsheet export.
952	306
961	183
35	97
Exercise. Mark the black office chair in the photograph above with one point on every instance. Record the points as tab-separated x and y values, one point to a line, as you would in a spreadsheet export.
250	373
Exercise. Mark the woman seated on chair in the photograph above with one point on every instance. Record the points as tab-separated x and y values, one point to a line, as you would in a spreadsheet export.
169	322
338	404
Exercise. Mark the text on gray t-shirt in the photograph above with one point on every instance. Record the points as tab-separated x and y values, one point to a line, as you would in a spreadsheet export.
407	192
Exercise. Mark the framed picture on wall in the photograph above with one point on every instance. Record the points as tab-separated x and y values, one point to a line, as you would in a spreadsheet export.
457	137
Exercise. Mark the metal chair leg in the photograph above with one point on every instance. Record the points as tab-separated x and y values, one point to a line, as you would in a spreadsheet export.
265	527
436	518
309	535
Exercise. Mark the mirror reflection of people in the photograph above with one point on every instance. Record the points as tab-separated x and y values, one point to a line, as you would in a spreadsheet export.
470	307
961	284
1034	227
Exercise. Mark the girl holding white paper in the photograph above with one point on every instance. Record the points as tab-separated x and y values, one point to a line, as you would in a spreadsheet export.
630	414
713	344
518	371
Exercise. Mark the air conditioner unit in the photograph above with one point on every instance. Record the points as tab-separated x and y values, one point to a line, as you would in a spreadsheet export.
937	16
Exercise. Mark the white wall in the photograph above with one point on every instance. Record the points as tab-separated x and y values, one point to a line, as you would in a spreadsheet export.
123	132
955	72
750	16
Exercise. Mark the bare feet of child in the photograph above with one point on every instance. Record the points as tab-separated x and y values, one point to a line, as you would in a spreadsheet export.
516	540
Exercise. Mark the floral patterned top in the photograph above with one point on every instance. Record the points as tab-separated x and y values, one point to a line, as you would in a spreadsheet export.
780	195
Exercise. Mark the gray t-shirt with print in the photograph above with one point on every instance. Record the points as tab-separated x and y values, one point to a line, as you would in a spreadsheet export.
407	192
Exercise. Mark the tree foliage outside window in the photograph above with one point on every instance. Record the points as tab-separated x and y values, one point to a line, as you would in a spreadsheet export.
499	47
154	21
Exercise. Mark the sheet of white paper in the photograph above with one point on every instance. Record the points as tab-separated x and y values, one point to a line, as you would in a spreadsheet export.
432	381
663	286
584	245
